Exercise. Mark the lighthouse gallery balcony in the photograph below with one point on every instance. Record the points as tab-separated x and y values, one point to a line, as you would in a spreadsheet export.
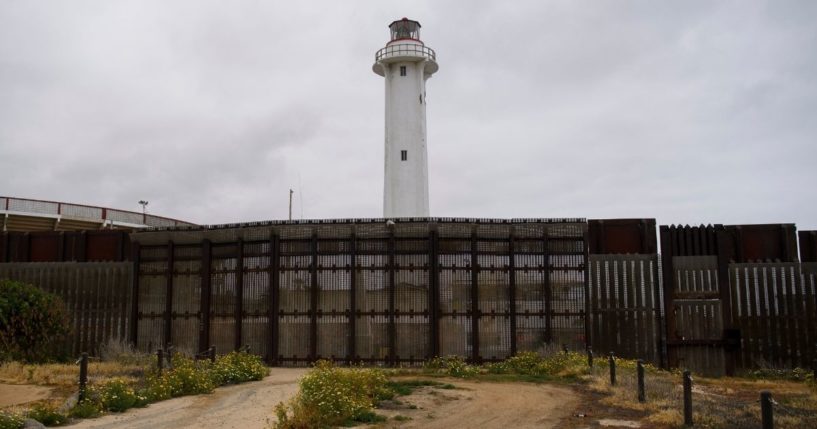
404	51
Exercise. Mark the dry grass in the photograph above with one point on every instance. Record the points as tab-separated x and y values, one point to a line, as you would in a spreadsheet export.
118	360
65	375
717	402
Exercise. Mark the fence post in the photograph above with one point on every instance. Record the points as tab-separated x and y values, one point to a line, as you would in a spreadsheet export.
239	294
512	291
159	358
475	314
590	357
313	299
766	411
814	368
612	360
83	376
642	395
169	356
687	398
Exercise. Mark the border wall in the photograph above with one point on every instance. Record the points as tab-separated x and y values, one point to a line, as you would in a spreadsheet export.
718	299
365	291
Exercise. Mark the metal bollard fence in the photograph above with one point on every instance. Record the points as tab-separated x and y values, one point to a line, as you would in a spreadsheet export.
590	357
612	361
160	360
766	412
687	398
83	376
642	395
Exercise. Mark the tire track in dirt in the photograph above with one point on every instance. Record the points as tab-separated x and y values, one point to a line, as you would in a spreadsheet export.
485	405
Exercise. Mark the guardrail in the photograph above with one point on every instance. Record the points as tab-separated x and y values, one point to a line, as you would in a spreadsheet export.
400	50
87	212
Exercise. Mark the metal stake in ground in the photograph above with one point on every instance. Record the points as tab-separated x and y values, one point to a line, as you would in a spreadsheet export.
766	412
814	368
212	353
590	357
642	396
687	398
83	376
612	361
169	356
159	359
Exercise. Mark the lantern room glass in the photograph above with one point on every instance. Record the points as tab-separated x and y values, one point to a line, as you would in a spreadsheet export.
405	29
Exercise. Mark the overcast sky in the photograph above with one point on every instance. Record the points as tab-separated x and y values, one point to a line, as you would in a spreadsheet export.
685	111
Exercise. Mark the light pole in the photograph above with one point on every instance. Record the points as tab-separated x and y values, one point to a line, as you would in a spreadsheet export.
144	204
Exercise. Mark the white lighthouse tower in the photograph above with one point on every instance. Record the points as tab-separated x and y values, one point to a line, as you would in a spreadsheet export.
406	63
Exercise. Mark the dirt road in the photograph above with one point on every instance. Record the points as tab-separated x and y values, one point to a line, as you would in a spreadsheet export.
484	405
16	394
244	406
471	404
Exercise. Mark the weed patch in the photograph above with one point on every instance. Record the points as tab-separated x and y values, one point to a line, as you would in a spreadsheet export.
332	396
47	414
9	420
453	366
85	410
405	387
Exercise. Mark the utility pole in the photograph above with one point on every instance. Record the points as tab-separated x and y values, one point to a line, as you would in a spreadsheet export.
290	203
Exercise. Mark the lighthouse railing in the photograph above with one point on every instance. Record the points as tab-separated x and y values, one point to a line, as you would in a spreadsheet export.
405	50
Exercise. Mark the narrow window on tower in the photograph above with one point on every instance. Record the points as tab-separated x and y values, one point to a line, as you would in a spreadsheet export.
402	70
403	155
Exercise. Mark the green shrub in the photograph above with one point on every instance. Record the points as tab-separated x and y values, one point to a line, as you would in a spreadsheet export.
796	374
157	388
47	415
10	420
331	396
524	363
238	367
117	395
33	323
85	410
556	365
453	366
188	377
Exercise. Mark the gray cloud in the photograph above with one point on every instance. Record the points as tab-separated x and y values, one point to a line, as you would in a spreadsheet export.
685	111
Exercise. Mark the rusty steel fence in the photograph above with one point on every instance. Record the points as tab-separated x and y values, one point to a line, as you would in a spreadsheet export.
364	291
96	296
716	300
625	298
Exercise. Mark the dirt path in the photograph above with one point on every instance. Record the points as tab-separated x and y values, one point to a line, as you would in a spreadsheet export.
471	404
246	405
16	394
484	405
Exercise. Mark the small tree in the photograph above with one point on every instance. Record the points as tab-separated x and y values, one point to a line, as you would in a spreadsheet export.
33	323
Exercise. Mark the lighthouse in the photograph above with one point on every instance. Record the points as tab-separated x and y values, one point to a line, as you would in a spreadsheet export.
405	63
